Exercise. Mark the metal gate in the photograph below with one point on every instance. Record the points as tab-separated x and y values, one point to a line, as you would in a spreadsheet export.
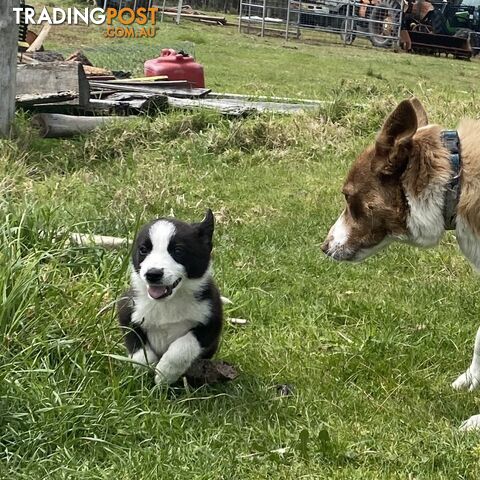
378	20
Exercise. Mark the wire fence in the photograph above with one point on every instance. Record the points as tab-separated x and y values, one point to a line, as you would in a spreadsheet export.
378	20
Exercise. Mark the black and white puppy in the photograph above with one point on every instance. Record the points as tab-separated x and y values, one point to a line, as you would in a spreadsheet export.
172	313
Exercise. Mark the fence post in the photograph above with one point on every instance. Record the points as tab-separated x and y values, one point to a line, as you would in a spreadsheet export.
288	19
240	8
8	64
263	17
179	11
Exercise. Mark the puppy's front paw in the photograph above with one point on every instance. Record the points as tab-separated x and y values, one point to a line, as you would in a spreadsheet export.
470	380
163	378
160	379
473	423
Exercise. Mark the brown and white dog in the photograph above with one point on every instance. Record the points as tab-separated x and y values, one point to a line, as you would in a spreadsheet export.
400	188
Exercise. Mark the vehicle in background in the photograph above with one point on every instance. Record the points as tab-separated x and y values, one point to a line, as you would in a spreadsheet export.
377	19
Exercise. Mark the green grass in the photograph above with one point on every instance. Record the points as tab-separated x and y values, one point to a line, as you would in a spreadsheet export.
370	350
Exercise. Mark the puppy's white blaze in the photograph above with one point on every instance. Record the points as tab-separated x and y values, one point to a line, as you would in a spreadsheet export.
161	233
176	360
339	232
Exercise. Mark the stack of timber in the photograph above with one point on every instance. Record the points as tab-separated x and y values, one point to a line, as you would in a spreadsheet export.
188	13
74	97
140	95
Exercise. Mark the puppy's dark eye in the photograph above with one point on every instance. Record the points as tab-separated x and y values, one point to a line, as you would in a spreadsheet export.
143	250
178	250
347	196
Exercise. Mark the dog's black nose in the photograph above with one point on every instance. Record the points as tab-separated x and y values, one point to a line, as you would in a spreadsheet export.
154	275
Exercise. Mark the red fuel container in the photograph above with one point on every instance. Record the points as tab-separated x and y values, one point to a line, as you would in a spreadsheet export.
176	66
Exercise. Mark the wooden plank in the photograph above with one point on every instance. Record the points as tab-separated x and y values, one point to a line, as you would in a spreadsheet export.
53	78
141	79
141	85
225	109
180	84
39	41
239	106
8	64
264	98
24	58
101	78
194	17
32	99
173	92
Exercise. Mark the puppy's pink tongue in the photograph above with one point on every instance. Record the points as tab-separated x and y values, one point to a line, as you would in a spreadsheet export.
157	292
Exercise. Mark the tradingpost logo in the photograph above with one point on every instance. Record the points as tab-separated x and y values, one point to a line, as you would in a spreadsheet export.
130	23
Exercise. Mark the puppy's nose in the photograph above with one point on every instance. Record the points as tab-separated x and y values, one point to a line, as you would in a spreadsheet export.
154	275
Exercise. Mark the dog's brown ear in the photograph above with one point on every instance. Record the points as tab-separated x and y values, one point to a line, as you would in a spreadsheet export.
422	117
394	141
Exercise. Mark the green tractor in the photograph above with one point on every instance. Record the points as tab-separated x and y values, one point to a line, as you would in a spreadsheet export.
457	18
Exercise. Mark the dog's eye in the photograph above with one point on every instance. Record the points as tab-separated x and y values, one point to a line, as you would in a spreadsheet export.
143	250
347	196
178	250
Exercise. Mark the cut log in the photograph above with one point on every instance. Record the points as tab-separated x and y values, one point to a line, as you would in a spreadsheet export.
42	36
51	125
52	79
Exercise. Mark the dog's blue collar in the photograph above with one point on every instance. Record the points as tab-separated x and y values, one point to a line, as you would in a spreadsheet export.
451	141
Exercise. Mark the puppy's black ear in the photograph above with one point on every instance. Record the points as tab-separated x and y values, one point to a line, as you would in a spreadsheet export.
205	228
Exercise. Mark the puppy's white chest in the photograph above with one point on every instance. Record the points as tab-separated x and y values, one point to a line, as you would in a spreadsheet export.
166	322
160	337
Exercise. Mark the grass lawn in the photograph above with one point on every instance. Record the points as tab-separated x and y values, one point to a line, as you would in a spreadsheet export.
369	350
